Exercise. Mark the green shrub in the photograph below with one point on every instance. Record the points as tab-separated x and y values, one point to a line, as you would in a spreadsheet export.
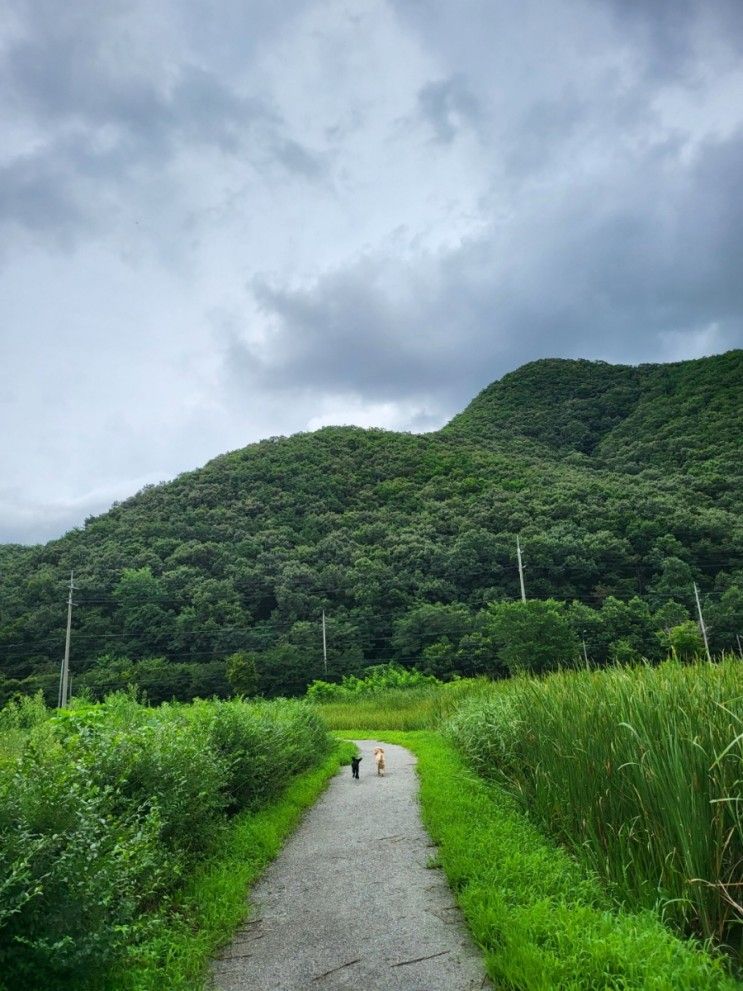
23	712
76	877
153	760
260	745
105	809
377	678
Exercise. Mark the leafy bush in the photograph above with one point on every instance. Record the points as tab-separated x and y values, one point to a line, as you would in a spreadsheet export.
378	678
23	713
261	745
164	764
104	808
76	877
684	642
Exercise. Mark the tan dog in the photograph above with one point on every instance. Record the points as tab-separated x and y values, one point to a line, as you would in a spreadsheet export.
379	758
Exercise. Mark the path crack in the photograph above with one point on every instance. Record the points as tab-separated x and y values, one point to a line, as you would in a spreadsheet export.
334	969
430	956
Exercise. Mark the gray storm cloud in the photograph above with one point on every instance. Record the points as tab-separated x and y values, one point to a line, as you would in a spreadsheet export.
220	228
645	271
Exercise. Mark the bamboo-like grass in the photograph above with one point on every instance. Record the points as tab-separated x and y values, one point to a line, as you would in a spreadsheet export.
638	771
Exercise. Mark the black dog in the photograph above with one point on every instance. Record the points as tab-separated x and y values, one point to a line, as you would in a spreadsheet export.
355	761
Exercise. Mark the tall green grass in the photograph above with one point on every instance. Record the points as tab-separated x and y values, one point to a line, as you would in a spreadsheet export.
425	707
638	771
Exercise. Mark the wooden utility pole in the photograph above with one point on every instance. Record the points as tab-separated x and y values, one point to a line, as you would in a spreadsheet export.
65	674
521	569
324	645
701	623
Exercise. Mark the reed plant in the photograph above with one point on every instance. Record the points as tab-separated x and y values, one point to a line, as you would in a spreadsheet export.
638	771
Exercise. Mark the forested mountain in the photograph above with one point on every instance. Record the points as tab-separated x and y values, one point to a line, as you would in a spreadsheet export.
624	484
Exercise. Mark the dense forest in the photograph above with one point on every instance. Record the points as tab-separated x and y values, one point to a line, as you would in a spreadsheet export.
623	484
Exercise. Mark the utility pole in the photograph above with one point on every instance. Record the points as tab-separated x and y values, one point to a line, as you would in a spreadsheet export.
585	652
65	674
324	645
740	649
701	623
521	569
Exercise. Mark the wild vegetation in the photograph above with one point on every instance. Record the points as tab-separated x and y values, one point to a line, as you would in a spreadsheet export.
541	919
108	812
127	833
623	483
635	771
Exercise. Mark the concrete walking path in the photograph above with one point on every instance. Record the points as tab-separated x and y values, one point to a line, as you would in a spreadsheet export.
349	904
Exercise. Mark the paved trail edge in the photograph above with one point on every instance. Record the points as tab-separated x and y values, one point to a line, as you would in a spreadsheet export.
351	903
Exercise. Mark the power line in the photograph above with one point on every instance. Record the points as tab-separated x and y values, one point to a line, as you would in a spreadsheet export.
363	643
216	631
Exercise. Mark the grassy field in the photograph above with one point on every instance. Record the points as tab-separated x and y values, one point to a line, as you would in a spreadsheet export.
426	707
581	818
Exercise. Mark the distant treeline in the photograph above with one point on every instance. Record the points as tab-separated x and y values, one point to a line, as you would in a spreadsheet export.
623	484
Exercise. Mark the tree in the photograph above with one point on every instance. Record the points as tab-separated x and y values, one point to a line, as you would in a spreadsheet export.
108	674
242	673
629	621
725	619
440	659
428	624
589	626
144	622
675	582
162	680
210	679
684	641
478	655
533	635
286	670
670	614
623	652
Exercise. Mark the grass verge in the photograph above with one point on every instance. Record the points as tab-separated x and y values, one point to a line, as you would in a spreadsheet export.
213	903
542	921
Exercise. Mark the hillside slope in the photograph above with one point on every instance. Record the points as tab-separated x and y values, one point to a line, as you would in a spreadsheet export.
677	417
620	481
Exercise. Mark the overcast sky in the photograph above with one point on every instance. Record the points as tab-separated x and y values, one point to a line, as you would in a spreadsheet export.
223	221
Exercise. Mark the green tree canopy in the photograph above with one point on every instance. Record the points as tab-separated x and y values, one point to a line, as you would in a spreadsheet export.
534	635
